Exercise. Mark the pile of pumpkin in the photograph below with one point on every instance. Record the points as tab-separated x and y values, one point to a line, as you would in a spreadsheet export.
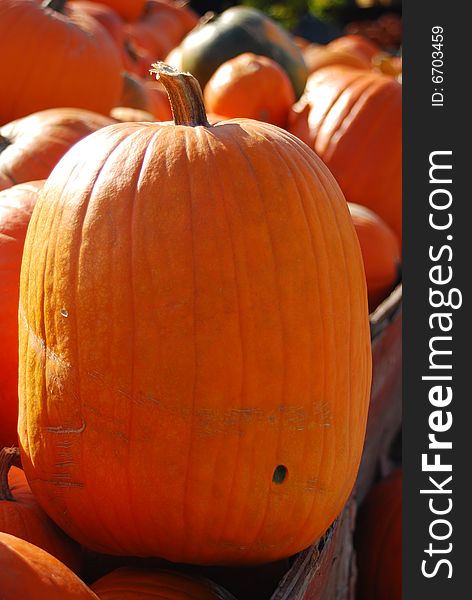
194	367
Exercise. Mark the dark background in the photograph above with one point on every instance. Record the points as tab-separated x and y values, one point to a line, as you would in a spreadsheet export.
426	129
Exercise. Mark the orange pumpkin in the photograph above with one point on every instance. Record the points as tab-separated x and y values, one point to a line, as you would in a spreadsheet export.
31	146
135	584
379	542
380	251
127	9
208	351
162	26
29	573
21	515
16	206
250	86
353	120
356	45
317	57
50	59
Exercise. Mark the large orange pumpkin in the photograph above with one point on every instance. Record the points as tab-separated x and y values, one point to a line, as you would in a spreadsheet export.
194	327
21	515
379	542
352	118
50	59
380	251
31	146
29	573
250	86
136	584
16	206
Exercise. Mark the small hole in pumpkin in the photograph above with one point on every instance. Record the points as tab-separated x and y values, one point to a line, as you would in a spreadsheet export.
280	474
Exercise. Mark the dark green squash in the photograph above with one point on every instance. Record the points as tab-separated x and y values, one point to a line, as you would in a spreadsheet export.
237	30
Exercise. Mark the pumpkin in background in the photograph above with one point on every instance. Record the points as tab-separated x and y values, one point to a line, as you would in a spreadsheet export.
380	251
162	26
16	206
50	59
158	100
30	573
378	541
353	120
207	323
316	57
237	30
250	86
31	146
21	515
127	9
147	96
114	25
135	584
356	45
125	114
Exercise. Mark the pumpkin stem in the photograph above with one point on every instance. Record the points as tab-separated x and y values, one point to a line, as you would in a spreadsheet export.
185	95
8	457
57	5
4	143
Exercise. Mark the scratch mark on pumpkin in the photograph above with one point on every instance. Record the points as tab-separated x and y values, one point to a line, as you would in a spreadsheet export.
38	344
60	429
63	484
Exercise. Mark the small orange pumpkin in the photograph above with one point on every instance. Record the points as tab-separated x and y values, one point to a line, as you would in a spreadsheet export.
378	542
16	206
380	251
52	57
21	515
31	146
135	584
241	318
27	572
250	86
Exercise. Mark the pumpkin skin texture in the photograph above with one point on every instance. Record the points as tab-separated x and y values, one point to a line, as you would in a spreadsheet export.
33	145
81	66
29	573
378	542
380	252
21	516
16	206
250	86
136	584
231	326
237	30
353	120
